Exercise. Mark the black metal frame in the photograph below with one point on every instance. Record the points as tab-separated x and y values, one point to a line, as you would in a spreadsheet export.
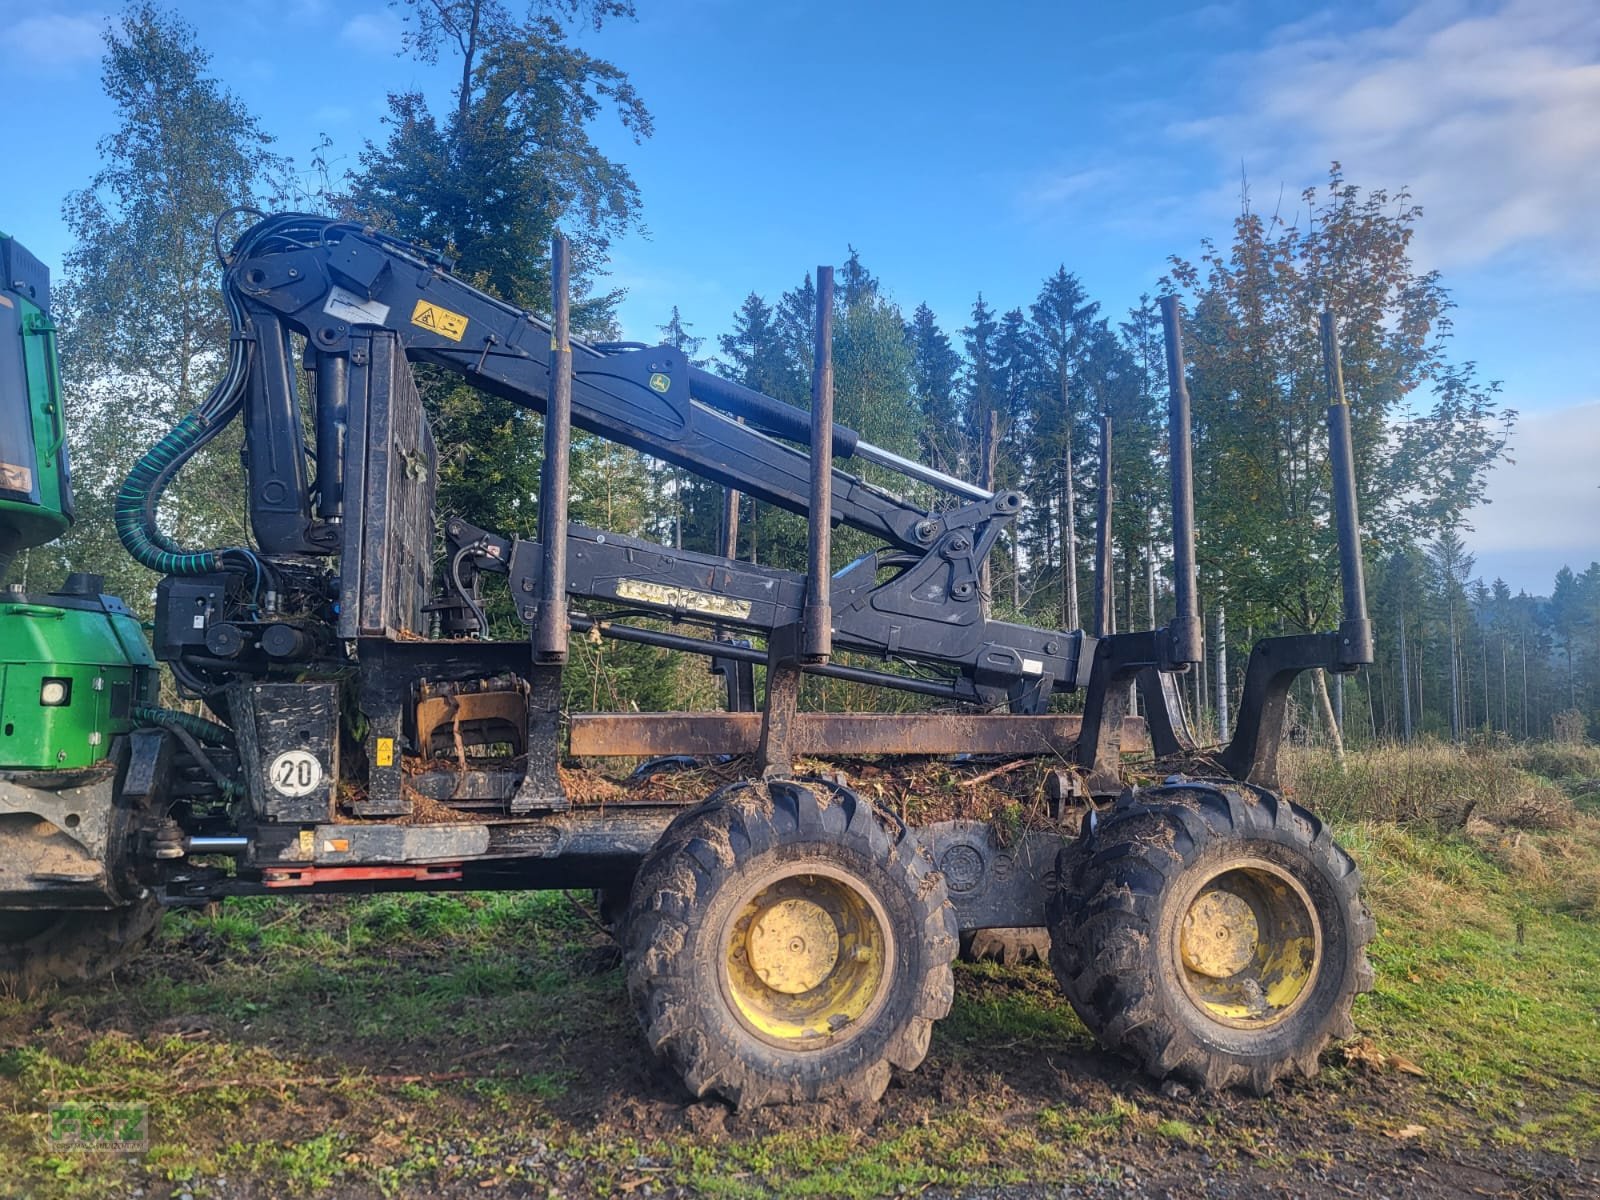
367	306
1151	658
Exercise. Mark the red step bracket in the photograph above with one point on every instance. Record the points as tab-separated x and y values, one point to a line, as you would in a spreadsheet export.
286	877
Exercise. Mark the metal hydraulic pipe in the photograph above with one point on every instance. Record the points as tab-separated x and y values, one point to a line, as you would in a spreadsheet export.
816	630
920	472
784	420
550	626
216	845
333	406
1355	629
677	641
762	411
1185	643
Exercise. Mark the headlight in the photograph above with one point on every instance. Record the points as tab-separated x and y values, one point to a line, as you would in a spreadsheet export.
53	693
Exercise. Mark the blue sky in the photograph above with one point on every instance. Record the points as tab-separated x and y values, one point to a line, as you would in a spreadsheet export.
965	148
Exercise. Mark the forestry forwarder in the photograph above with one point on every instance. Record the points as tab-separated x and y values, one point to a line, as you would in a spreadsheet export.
784	939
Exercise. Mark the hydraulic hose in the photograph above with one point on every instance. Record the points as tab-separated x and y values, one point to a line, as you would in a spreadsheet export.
177	724
136	503
207	731
138	490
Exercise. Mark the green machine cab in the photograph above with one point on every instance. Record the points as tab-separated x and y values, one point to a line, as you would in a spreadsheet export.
73	663
35	485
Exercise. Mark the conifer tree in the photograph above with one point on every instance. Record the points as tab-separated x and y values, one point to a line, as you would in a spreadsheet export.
1061	315
935	373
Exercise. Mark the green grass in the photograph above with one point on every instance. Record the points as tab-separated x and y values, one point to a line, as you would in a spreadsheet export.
430	1044
1008	1008
1178	1131
1486	980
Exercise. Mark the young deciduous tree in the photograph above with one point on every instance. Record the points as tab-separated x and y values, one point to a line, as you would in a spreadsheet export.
1263	486
143	329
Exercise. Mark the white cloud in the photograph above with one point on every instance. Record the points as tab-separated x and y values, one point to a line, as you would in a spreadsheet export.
1487	111
373	32
1047	193
53	40
1546	501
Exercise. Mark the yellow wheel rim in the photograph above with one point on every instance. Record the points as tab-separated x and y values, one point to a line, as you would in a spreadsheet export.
1248	944
806	957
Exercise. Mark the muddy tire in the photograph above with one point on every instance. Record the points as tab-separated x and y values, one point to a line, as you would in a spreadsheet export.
45	949
783	946
1010	947
1212	932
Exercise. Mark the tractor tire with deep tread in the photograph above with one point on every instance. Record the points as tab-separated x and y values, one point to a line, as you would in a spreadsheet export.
44	949
1139	884
688	949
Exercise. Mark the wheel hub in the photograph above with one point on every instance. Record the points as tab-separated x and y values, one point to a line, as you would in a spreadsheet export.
1248	944
806	957
1220	935
792	945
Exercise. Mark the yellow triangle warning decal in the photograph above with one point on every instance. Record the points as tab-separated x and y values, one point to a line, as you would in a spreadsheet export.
439	320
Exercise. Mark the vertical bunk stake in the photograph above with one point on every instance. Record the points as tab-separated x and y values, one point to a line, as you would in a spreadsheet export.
1105	620
1355	628
1274	663
811	641
550	628
541	788
816	642
1184	646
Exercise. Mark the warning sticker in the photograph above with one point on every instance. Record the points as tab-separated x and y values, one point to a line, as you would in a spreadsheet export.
385	753
439	320
347	306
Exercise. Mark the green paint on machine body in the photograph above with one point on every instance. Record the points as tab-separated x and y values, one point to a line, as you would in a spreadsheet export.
87	653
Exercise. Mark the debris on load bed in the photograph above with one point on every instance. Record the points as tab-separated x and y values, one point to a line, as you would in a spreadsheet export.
917	790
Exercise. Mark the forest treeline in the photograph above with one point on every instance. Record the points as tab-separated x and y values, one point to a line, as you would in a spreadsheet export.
1018	396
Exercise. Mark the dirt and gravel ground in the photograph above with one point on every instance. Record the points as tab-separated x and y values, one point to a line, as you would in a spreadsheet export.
535	1084
482	1045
